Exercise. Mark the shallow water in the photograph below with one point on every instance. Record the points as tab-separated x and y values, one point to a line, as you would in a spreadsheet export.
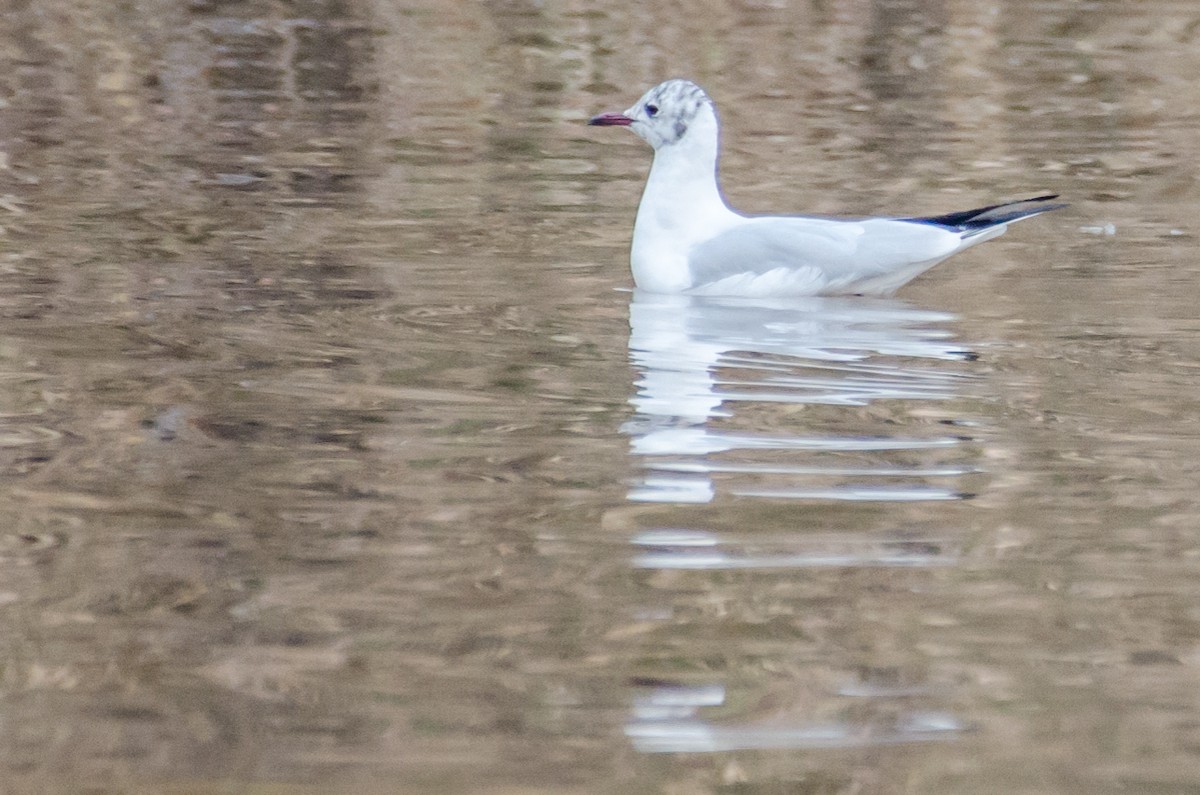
339	455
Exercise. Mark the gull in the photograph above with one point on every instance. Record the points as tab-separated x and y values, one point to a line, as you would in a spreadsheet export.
686	239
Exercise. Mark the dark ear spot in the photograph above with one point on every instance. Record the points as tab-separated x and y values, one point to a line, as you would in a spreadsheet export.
680	128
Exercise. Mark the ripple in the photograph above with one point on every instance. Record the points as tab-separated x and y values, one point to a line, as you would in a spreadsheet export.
22	435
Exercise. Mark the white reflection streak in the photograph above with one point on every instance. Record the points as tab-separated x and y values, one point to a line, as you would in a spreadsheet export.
664	721
700	550
697	561
765	469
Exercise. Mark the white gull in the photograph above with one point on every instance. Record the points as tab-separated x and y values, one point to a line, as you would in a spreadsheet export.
687	240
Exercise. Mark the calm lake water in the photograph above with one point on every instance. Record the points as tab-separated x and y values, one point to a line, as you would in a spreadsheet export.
340	456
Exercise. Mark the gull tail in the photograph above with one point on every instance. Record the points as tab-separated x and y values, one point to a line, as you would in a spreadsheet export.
981	219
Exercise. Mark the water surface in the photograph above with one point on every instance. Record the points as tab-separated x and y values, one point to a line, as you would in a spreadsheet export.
339	455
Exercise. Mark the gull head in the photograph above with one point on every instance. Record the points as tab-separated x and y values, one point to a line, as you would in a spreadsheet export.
664	114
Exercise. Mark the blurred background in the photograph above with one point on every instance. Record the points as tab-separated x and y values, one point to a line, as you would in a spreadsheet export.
338	455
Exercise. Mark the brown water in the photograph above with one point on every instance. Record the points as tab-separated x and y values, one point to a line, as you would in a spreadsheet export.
338	456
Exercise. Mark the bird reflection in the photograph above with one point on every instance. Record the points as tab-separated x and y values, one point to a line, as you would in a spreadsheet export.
788	399
698	358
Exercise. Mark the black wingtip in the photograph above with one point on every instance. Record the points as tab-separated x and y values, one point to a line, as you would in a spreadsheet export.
994	214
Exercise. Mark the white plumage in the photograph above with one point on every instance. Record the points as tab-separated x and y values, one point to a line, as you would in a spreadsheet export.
687	240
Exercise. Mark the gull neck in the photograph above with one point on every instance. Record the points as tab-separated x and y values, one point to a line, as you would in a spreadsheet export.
684	174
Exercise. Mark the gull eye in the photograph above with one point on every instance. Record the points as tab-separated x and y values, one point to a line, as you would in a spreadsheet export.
651	109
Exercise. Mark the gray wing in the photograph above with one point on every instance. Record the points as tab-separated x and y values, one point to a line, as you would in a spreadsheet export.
841	251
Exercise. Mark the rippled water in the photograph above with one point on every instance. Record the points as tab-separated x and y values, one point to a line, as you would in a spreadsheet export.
339	456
